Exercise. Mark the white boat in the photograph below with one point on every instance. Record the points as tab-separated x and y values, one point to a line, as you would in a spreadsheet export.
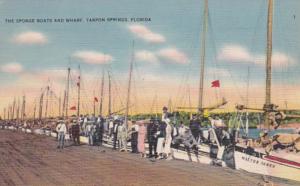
282	165
207	153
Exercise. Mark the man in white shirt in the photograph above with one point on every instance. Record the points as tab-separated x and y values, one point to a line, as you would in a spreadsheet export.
61	130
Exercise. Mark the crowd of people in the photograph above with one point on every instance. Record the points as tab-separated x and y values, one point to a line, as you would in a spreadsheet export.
160	133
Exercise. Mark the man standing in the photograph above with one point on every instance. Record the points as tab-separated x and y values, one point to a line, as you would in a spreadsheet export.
75	133
195	127
99	130
161	138
115	134
90	132
122	137
61	129
151	135
134	137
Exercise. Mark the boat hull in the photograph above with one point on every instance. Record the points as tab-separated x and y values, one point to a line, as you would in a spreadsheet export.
266	166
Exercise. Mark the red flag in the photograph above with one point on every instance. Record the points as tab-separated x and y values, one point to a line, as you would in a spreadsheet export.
215	83
73	108
95	99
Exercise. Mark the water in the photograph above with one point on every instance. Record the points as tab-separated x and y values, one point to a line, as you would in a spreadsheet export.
254	133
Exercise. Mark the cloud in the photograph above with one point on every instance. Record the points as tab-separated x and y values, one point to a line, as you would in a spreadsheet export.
173	55
219	72
30	38
279	60
146	56
93	57
234	53
146	34
239	54
13	68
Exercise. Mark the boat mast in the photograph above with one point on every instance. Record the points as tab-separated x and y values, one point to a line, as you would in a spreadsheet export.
67	92
13	108
18	109
41	106
269	62
34	111
203	51
4	113
78	92
23	109
101	94
94	101
8	112
129	86
47	96
109	94
64	103
59	105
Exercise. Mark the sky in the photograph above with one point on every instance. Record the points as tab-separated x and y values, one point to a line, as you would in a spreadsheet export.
166	52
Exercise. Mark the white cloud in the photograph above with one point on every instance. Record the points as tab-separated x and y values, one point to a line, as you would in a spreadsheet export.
237	53
93	57
279	60
146	34
30	38
12	68
173	55
146	56
219	72
234	53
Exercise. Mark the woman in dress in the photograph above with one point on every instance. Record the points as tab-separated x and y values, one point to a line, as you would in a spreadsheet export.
141	138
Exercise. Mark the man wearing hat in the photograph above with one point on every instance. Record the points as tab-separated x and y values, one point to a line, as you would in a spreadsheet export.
61	129
264	139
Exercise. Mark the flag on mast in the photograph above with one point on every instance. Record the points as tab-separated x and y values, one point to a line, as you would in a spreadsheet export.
95	99
73	108
215	83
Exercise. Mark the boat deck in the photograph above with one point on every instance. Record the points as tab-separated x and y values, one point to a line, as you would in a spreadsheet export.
28	159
